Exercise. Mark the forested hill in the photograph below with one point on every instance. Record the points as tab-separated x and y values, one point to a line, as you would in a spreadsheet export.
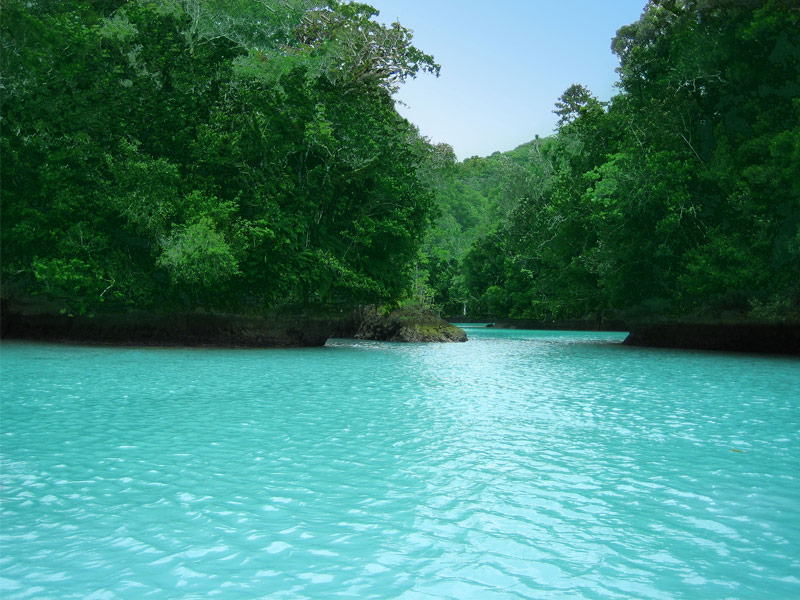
679	198
176	155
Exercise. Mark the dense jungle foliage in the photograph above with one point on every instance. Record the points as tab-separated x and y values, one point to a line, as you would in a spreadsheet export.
183	154
244	155
678	198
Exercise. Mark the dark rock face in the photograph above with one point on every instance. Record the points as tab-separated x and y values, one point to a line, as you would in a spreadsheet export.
192	329
737	337
407	325
285	330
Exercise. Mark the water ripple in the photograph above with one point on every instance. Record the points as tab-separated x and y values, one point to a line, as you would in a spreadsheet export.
518	465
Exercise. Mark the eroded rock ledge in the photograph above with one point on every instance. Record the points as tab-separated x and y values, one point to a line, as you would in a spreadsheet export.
298	328
176	329
781	338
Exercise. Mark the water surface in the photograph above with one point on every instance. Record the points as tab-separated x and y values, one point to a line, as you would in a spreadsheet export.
518	465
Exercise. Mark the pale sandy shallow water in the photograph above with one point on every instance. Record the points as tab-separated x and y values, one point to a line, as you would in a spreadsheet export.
518	465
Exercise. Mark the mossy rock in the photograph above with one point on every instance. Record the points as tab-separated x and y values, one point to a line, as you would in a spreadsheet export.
407	325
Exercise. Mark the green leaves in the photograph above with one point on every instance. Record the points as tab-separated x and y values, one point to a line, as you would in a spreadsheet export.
144	192
224	154
197	254
680	197
355	52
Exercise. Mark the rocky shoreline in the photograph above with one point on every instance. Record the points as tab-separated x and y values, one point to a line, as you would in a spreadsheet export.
309	329
174	329
768	338
736	336
280	330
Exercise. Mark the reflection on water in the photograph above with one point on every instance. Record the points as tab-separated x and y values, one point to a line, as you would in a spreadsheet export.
517	465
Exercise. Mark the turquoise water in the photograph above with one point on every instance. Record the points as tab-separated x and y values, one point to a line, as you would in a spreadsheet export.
518	465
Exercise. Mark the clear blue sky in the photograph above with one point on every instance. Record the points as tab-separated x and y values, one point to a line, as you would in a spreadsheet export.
504	64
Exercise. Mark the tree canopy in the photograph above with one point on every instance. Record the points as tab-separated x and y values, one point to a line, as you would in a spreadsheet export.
235	155
247	154
678	198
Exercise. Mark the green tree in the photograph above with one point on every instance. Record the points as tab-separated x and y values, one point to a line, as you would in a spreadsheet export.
237	155
678	198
